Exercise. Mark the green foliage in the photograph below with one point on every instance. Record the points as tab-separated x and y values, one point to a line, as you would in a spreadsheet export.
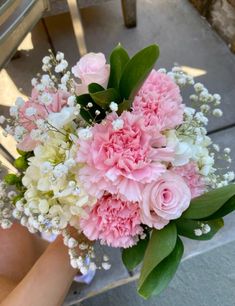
105	97
158	279
94	87
133	256
125	105
21	163
12	179
186	227
118	60
17	198
161	244
136	71
226	209
206	205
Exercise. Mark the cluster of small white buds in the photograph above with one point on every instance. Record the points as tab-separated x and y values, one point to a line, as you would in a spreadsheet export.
203	230
113	106
83	263
179	76
6	206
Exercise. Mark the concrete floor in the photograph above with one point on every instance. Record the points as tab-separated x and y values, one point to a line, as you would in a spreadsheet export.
207	280
185	38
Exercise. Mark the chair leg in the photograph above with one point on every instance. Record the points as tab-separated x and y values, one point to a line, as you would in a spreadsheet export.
77	26
129	13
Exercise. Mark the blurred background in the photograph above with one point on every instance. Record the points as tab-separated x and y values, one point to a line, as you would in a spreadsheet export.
198	35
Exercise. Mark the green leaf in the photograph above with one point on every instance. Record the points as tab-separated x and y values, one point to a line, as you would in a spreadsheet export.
207	204
226	209
161	244
94	87
105	97
136	71
125	105
118	60
163	273
12	179
186	227
133	256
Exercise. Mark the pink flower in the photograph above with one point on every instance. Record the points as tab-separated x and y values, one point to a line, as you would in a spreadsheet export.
164	200
120	161
115	222
33	110
27	120
91	68
160	102
27	144
193	179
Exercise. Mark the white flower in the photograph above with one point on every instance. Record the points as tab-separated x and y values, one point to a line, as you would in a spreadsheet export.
46	60
30	111
85	134
182	149
36	134
117	124
2	119
217	97
60	170
199	87
198	232
61	66
43	206
227	150
71	101
200	117
46	80
189	111
59	56
19	102
206	228
46	98
113	106
62	118
217	112
40	87
13	111
46	167
65	78
34	82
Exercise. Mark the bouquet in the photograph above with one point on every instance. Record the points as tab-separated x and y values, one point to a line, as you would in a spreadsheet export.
112	151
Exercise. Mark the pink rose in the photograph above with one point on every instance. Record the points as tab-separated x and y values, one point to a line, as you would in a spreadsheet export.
159	102
164	200
91	68
115	222
122	160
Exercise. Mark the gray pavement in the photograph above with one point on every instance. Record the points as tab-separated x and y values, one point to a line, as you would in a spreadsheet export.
207	280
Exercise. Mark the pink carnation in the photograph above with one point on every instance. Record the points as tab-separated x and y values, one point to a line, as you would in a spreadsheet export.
160	102
120	161
193	179
115	222
59	100
164	200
